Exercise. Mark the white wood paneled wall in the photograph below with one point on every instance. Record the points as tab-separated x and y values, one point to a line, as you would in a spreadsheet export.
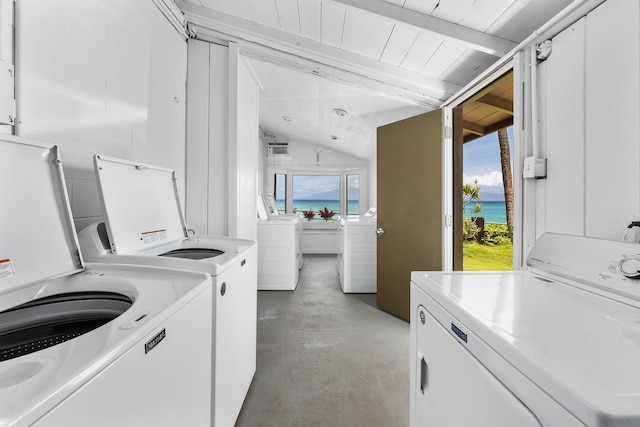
7	106
222	142
243	148
101	77
592	104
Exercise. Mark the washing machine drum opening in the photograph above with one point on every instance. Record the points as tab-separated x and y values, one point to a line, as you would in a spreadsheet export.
193	253
52	320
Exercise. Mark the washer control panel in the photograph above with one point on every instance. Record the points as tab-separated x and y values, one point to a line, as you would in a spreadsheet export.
630	267
607	265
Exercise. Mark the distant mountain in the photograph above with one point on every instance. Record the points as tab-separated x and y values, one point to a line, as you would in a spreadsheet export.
326	195
491	197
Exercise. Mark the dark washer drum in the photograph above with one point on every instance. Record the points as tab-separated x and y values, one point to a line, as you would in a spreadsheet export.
193	253
52	320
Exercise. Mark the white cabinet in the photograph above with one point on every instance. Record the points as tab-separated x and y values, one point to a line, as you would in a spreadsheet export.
319	237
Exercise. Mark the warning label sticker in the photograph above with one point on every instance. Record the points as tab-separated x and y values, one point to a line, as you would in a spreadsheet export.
153	236
6	269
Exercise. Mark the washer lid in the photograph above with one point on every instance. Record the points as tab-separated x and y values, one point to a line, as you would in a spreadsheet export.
141	205
37	235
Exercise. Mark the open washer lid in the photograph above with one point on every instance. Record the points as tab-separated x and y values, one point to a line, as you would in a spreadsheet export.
141	205
37	235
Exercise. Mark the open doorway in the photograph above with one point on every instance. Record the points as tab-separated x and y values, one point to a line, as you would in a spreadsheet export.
487	181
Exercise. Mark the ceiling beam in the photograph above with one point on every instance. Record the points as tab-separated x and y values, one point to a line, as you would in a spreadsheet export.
269	44
475	39
500	125
474	128
488	130
500	104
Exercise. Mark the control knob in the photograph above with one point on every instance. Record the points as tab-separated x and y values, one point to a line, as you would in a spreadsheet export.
630	267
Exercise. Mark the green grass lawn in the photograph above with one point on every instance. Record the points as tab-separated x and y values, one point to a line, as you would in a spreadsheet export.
477	257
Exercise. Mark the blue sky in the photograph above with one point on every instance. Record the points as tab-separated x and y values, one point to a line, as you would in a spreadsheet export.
482	162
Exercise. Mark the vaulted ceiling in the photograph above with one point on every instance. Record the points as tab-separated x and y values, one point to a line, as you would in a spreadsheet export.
380	61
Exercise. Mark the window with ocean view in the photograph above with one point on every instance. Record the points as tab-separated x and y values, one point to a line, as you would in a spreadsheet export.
315	192
353	194
281	192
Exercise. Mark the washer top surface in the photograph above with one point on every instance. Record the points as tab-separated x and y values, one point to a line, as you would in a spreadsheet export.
35	209
358	220
234	251
580	343
31	385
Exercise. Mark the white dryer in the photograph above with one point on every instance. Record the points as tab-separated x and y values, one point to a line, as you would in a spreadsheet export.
145	226
103	345
278	250
557	345
357	251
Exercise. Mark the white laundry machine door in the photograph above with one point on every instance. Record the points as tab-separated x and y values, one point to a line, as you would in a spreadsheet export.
453	388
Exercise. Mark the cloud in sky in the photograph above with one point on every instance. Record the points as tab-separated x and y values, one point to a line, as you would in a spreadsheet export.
489	179
491	187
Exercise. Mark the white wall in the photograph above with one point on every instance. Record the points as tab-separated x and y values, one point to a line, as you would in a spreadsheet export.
590	96
7	109
243	148
222	142
206	190
100	77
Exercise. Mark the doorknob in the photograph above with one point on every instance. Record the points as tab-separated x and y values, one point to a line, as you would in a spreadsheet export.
380	231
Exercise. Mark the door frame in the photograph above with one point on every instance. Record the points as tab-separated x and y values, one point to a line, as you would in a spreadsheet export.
518	65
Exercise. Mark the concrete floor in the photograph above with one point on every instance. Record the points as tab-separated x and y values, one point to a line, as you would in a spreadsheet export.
326	358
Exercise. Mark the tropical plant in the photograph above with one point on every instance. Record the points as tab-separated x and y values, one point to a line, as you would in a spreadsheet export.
476	209
470	192
469	229
497	234
309	214
326	214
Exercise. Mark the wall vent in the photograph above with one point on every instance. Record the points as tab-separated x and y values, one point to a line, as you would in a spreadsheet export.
278	149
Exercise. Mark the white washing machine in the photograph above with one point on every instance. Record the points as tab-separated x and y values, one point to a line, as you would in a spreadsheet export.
271	208
278	250
357	250
103	345
557	345
145	226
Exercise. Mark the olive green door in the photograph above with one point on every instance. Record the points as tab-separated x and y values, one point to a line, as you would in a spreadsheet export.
410	206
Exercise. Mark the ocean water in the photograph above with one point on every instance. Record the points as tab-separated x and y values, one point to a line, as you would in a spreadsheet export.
494	212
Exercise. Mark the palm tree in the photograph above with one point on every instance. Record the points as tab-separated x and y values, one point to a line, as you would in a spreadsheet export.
507	180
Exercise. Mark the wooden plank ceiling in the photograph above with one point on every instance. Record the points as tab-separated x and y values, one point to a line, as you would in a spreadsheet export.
417	52
489	110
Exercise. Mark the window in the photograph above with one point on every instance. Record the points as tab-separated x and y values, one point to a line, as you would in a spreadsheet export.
280	193
353	195
315	192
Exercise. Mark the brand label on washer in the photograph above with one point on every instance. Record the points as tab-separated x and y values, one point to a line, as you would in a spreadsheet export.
151	344
153	236
459	333
6	269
